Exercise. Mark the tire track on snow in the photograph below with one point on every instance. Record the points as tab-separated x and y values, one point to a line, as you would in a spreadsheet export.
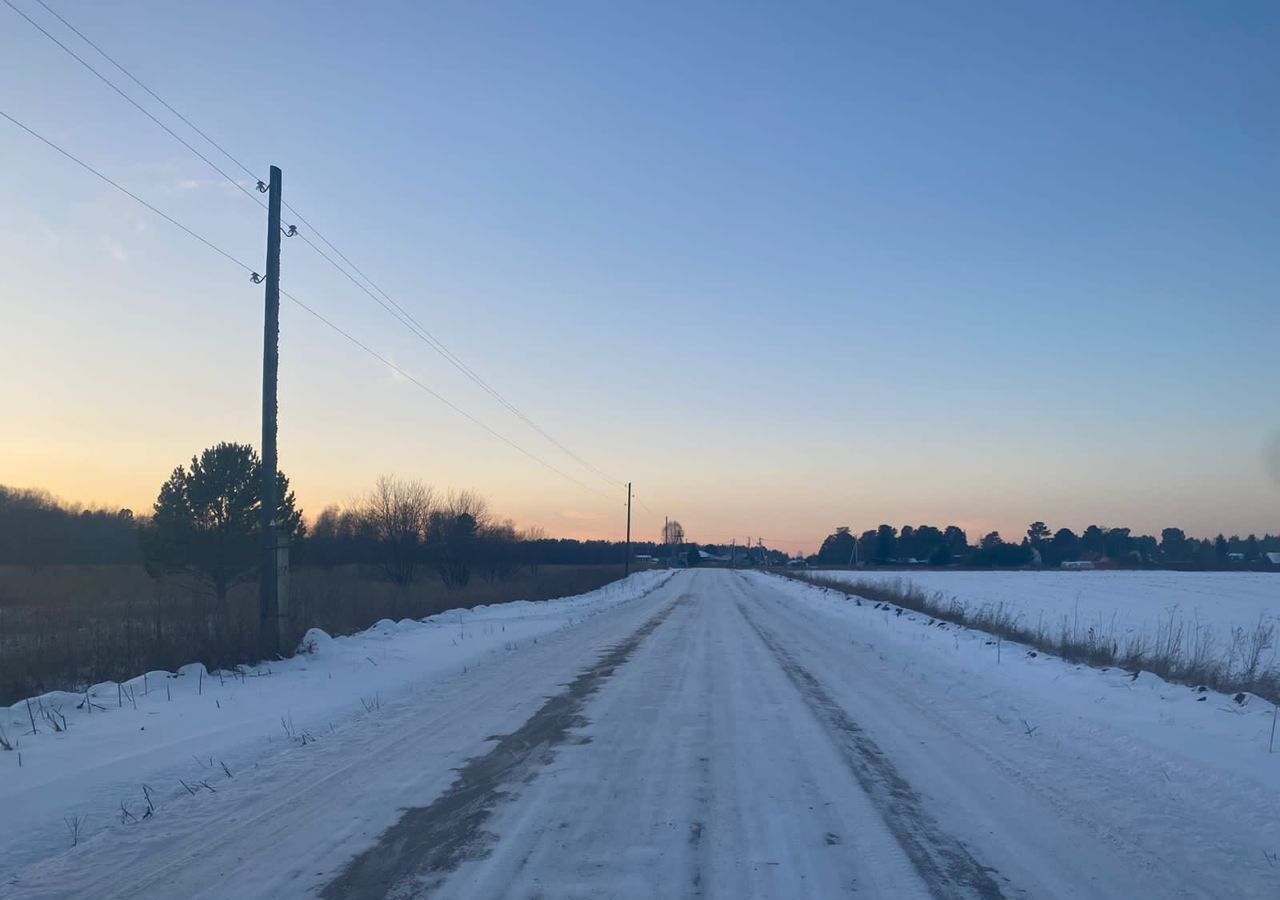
948	868
414	855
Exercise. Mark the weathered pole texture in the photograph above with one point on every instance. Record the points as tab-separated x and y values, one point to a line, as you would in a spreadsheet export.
269	581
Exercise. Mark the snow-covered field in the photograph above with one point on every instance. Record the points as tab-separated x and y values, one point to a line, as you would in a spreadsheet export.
88	760
1114	603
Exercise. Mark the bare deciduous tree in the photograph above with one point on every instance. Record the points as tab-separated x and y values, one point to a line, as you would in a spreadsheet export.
397	514
673	533
467	503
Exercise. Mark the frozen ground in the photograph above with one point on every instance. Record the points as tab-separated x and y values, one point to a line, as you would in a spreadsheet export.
1115	603
725	735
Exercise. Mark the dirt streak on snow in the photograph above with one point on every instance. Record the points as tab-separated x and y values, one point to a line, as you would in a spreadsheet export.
430	841
946	863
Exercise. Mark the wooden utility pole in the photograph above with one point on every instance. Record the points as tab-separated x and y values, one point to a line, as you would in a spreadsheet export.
626	570
269	581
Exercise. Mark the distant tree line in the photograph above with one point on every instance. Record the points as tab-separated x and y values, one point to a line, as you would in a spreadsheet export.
37	530
928	545
205	520
404	527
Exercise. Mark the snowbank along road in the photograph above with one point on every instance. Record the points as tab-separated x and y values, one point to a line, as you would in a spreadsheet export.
733	735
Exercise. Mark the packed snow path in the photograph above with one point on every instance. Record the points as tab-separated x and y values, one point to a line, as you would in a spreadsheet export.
728	735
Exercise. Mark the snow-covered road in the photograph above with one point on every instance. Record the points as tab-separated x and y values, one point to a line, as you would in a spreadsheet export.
733	735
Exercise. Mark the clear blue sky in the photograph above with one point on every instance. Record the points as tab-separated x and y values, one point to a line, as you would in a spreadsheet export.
787	266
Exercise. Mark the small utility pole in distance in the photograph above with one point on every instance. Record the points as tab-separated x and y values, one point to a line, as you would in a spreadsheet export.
268	583
626	569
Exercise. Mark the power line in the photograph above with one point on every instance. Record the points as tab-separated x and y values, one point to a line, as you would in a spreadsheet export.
449	403
768	541
109	58
226	255
133	102
84	165
399	312
405	318
437	345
